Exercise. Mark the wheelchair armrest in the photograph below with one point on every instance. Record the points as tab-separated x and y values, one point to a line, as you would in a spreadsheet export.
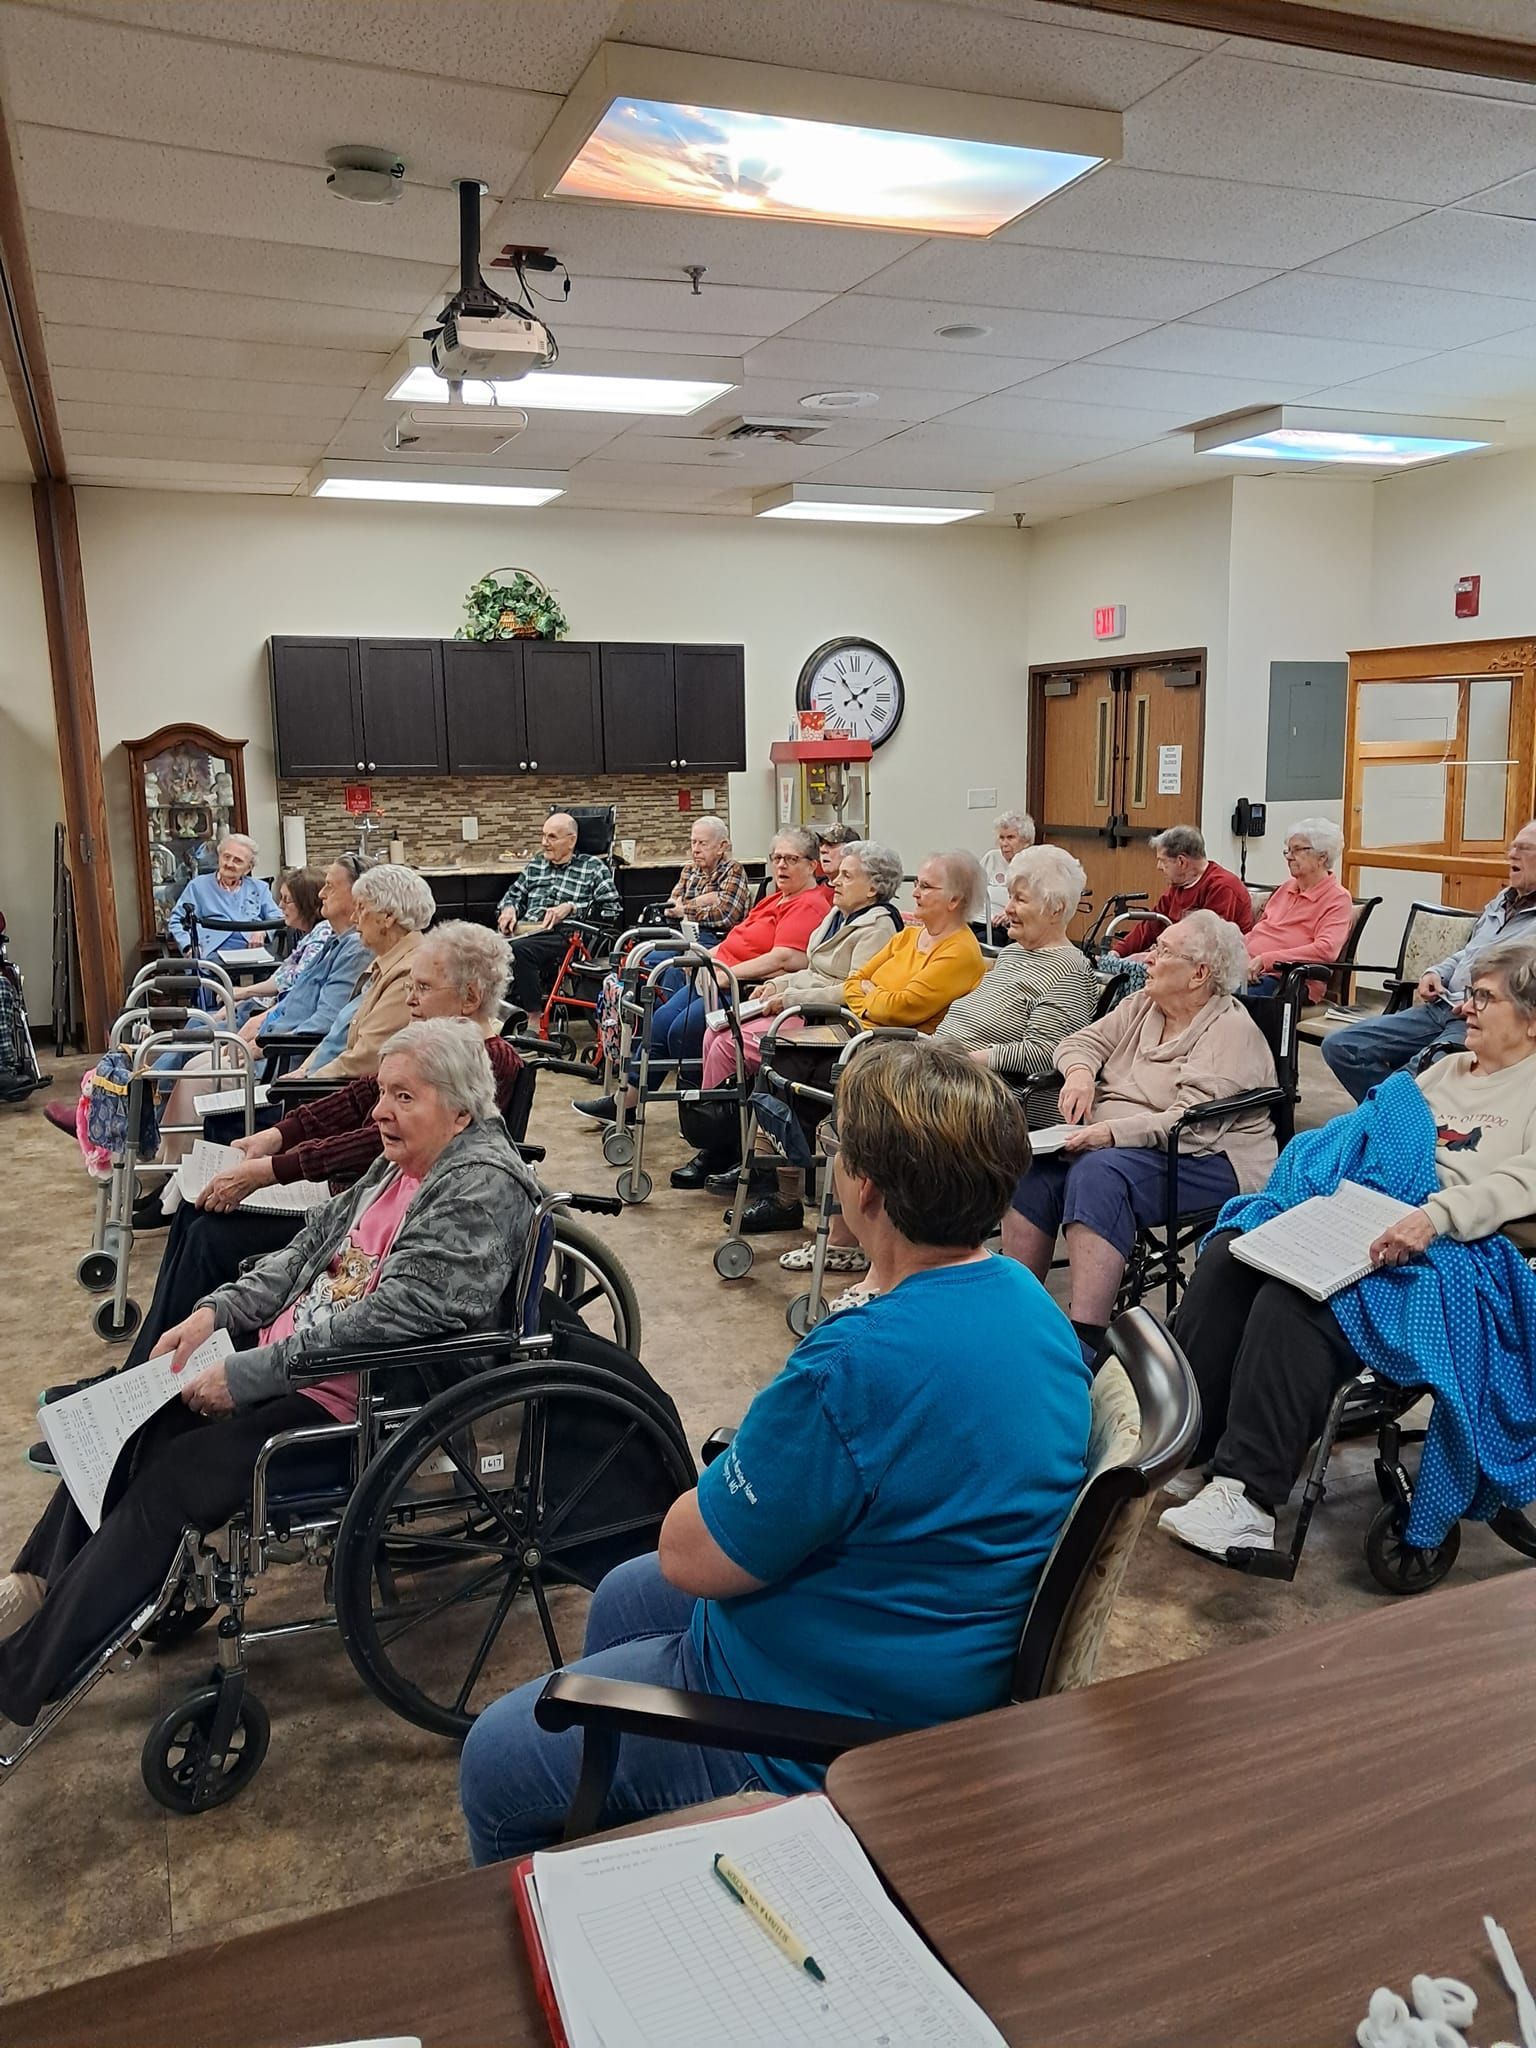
575	1699
593	1205
287	1041
531	1155
303	1087
716	1444
390	1357
1224	1106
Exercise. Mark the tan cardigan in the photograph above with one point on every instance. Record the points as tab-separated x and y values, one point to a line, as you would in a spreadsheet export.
380	1013
1145	1087
830	960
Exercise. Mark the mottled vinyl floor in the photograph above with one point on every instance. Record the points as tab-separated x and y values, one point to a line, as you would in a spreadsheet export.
352	1801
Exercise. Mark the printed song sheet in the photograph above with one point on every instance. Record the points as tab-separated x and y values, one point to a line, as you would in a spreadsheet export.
1049	1139
86	1431
206	1162
1324	1243
646	1946
230	1099
243	957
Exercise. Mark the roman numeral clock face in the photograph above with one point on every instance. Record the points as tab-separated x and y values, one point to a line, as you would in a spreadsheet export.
857	685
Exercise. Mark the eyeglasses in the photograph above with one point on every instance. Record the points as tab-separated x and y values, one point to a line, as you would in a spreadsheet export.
1479	998
1299	850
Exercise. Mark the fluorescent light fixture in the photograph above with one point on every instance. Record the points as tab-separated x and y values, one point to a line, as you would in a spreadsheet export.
1308	434
613	388
715	135
420	484
853	506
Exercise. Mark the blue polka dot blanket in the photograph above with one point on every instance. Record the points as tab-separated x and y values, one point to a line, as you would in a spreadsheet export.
1460	1320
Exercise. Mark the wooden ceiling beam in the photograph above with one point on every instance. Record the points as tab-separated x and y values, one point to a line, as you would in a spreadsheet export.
1350	35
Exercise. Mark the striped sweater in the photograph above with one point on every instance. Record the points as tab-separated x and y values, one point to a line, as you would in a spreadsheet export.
1022	1009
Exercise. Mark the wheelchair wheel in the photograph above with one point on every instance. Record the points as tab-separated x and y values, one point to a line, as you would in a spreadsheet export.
107	1327
733	1258
618	1147
96	1272
585	1273
177	1744
1395	1565
633	1187
460	1558
798	1315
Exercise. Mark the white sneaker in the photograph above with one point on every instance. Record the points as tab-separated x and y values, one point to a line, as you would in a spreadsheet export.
841	1258
21	1595
1220	1518
1185	1485
856	1296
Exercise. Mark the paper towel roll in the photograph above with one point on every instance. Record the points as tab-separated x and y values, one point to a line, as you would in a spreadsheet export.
295	843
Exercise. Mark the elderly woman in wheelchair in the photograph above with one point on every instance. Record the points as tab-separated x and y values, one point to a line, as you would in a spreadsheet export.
869	1540
1450	1289
424	1246
1172	1052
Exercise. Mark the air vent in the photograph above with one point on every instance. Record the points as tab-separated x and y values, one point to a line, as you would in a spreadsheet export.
445	430
767	430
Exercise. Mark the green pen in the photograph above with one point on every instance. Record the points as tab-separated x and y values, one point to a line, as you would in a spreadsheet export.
767	1919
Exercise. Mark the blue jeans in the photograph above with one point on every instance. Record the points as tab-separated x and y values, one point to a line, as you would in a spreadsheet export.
1118	1191
516	1781
1363	1054
677	1026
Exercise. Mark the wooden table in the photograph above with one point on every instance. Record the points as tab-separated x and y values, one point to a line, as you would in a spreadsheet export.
1238	1849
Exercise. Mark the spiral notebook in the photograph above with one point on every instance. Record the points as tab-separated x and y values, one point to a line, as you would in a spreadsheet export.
1324	1243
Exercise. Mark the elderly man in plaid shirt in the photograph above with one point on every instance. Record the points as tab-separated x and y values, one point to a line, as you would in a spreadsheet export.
713	889
557	883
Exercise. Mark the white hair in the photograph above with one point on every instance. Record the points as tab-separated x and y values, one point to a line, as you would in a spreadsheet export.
475	959
714	825
399	893
1050	877
966	878
1218	945
246	844
800	839
1323	835
449	1056
880	864
1016	821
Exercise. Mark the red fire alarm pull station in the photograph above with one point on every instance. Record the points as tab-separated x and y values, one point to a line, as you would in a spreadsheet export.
1469	591
359	799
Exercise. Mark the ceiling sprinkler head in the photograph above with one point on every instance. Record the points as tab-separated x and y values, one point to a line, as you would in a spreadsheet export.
366	176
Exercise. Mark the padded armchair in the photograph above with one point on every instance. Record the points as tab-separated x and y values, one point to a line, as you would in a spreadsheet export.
1146	1419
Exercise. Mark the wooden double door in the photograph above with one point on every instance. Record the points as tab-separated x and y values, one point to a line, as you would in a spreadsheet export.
1116	756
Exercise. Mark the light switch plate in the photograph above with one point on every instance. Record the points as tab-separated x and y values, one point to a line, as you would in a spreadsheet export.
707	799
469	828
980	799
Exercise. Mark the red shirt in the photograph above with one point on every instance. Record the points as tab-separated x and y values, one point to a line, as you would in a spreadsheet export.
1218	889
334	1138
776	921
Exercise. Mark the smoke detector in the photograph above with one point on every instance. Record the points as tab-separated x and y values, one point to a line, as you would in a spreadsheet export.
454	430
366	176
765	429
840	401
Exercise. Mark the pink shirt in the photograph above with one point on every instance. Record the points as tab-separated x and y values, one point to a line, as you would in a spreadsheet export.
353	1273
1298	924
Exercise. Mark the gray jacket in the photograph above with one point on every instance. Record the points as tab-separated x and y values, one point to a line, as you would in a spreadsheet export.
453	1258
832	956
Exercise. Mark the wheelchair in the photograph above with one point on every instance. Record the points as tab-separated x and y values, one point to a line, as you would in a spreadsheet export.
450	1531
20	1074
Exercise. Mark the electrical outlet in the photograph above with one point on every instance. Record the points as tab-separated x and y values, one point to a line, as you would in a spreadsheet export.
627	852
980	799
469	828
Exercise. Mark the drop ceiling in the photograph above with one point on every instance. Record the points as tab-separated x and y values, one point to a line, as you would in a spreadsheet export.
1286	225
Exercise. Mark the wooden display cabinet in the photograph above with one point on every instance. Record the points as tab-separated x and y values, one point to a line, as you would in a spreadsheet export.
186	788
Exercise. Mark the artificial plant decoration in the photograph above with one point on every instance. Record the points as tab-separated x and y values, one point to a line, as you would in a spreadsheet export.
511	604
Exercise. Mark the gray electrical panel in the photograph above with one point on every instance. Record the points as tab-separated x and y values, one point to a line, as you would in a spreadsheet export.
1306	731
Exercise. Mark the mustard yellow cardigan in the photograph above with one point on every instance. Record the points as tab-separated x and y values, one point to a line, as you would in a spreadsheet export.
913	987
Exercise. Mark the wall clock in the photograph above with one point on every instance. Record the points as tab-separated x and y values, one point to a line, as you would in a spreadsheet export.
857	685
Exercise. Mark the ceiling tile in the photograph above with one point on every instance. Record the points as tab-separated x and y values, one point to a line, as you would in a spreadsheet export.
1235	352
726	309
779	398
1457	250
107	348
859	430
1038	338
635	487
156	186
79	245
658	242
1124	212
527	43
1067	16
945	458
92	416
1522	343
157	474
1060	280
1120	426
101	78
223	316
726	468
1197	398
206	394
1516	198
1360	309
1460	374
161	447
1281	125
1401	74
642	341
554	447
963	49
842	365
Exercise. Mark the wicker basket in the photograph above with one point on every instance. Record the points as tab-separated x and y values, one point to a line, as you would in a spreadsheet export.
508	623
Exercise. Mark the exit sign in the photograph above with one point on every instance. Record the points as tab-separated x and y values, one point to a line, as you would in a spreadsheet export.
1109	622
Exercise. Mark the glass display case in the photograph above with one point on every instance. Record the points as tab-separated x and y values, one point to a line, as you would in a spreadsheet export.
186	790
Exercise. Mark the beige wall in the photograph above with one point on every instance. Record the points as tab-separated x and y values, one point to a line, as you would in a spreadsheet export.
1471	518
185	589
30	797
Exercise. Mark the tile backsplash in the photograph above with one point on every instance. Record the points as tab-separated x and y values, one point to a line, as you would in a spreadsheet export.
425	813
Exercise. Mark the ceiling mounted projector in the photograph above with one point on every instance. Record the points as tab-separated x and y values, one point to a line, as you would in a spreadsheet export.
483	336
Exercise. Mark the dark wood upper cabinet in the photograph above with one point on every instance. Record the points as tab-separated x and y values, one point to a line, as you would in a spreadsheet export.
711	695
483	706
317	707
639	707
402	690
561	707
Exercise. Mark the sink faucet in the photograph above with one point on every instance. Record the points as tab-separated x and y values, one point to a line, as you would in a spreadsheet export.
365	826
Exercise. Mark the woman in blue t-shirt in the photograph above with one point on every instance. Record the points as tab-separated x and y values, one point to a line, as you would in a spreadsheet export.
870	1541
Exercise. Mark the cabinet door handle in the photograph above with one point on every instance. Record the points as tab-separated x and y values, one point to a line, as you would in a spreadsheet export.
682	764
373	764
522	764
533	764
362	764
